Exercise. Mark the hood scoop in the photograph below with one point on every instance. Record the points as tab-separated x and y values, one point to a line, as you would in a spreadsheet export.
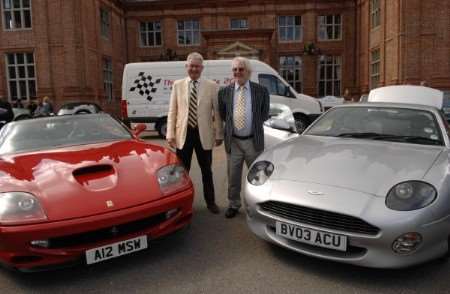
96	177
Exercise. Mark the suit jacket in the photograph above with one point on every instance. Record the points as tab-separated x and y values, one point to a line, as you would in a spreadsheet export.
260	110
208	118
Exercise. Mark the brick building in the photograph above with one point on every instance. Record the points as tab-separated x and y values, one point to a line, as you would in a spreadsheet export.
76	50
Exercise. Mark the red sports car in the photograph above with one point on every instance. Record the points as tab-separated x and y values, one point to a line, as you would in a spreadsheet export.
83	188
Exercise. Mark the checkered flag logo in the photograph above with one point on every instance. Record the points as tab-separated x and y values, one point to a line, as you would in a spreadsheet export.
145	85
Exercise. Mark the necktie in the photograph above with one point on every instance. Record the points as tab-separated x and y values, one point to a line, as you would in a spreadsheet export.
239	110
193	105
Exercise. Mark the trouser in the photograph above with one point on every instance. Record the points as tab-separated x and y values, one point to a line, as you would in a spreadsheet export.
204	158
241	150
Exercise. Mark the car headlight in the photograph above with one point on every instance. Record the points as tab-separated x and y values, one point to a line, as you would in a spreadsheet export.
172	178
20	208
260	172
410	195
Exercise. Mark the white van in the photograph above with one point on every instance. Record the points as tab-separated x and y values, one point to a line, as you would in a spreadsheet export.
146	90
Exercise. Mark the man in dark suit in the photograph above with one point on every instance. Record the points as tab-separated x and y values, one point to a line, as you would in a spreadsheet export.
243	106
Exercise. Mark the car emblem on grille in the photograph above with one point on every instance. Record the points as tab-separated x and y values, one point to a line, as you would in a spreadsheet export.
109	203
315	193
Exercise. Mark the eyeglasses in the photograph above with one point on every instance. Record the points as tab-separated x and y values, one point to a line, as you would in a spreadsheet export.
238	69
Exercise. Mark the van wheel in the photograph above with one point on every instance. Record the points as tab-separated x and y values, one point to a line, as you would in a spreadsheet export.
301	122
161	127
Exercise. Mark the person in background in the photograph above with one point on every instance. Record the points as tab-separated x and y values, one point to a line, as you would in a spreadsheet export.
244	106
6	112
44	108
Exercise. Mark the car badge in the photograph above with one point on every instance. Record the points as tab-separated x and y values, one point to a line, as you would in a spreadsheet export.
109	203
315	193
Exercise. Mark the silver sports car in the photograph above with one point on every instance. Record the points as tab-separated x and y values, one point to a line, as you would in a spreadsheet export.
367	184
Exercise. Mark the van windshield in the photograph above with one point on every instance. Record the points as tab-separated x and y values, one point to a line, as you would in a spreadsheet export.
274	85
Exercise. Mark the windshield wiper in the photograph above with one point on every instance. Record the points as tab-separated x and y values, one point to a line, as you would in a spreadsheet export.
397	138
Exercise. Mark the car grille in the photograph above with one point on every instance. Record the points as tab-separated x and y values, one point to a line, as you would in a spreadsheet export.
320	218
106	233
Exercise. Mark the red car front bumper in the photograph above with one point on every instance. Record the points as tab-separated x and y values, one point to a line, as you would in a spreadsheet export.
69	239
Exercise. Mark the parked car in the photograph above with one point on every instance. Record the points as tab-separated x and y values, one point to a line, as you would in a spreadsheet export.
83	188
366	183
79	108
21	113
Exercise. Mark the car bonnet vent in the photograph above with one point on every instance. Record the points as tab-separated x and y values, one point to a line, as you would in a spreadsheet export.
103	169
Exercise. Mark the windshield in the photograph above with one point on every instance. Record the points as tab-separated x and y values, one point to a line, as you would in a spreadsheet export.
380	123
55	132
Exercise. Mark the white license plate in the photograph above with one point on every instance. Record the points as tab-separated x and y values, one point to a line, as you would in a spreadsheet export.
116	249
313	237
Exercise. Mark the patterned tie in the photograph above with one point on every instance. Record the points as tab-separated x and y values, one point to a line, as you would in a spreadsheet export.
239	110
193	105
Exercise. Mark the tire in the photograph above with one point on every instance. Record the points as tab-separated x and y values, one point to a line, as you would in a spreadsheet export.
301	122
161	127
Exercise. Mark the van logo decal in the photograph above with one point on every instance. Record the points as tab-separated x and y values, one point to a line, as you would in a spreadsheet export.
145	86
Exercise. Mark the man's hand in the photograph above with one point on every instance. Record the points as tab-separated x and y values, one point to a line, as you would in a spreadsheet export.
218	142
171	143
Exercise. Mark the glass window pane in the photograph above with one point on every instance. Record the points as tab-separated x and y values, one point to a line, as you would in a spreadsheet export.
21	70
30	58
329	32
144	41
31	71
188	25
297	33
180	25
25	3
7	4
23	90
32	88
298	20
150	26
290	33
337	88
20	58
16	3
196	24
158	39
17	19
27	18
181	38
8	20
337	32
13	89
157	25
337	19
11	72
10	59
281	21
142	26
329	19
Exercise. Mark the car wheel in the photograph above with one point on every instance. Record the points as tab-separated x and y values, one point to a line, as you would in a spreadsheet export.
301	122
161	127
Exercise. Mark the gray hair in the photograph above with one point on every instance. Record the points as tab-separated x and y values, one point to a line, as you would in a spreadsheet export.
244	61
194	56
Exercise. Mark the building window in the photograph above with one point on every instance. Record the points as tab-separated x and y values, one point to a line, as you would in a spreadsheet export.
105	23
150	34
290	28
329	76
374	13
108	79
238	24
16	14
188	32
21	76
291	71
375	69
330	27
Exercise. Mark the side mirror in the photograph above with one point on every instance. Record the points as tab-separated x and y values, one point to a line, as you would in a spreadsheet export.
138	129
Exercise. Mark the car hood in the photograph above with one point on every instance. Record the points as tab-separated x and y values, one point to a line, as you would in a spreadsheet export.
87	180
372	167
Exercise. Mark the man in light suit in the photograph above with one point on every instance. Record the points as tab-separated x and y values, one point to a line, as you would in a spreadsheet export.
244	106
193	123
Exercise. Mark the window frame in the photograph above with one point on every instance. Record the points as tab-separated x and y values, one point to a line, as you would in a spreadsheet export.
150	34
334	25
240	27
21	10
108	78
297	82
105	23
336	61
286	27
375	14
17	79
375	68
193	30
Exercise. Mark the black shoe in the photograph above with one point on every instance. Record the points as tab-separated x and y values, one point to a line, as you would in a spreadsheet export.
213	208
231	212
